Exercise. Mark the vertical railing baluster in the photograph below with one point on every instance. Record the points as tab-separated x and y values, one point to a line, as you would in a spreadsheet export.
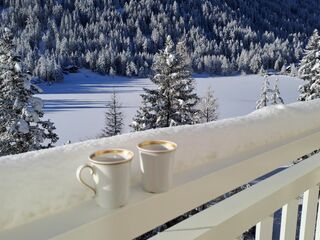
318	223
289	220
309	212
264	229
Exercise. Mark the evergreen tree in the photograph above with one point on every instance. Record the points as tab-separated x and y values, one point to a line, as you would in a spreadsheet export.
310	69
208	110
145	118
21	126
293	70
264	96
114	117
173	100
276	96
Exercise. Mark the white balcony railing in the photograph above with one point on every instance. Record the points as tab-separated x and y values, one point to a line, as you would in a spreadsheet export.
231	217
212	159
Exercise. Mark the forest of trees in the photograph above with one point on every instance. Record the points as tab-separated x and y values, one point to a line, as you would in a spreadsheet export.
120	37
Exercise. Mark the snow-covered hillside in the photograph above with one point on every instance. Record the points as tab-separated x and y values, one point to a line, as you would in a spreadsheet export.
77	105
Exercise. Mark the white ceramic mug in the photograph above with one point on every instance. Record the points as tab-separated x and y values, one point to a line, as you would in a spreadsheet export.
156	164
111	174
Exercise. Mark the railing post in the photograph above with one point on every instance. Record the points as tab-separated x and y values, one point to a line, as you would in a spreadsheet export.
264	229
289	220
309	212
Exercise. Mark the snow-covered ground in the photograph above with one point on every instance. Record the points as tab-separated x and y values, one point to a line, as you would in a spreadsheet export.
77	105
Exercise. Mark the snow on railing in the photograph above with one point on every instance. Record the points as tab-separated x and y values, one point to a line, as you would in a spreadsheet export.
42	199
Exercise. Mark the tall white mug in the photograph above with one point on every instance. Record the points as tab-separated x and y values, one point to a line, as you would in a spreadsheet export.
156	164
110	170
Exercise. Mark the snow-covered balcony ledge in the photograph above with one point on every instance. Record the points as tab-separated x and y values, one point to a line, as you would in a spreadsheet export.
41	198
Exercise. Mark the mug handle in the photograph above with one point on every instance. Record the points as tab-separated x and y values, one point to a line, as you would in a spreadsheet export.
79	177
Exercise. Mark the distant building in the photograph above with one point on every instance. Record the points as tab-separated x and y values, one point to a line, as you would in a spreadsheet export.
70	69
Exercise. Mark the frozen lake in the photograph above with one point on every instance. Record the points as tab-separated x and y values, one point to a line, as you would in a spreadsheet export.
77	105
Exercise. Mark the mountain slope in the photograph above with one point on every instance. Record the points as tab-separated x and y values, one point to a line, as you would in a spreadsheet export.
120	37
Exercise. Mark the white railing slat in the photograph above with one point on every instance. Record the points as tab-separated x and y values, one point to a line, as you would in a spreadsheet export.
318	223
264	229
309	212
289	220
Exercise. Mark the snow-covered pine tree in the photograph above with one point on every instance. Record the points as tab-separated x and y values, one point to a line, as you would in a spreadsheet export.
309	69
173	101
21	126
113	117
264	96
293	70
145	117
276	96
208	108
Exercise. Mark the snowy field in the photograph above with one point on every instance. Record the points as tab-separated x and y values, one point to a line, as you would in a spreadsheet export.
77	105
